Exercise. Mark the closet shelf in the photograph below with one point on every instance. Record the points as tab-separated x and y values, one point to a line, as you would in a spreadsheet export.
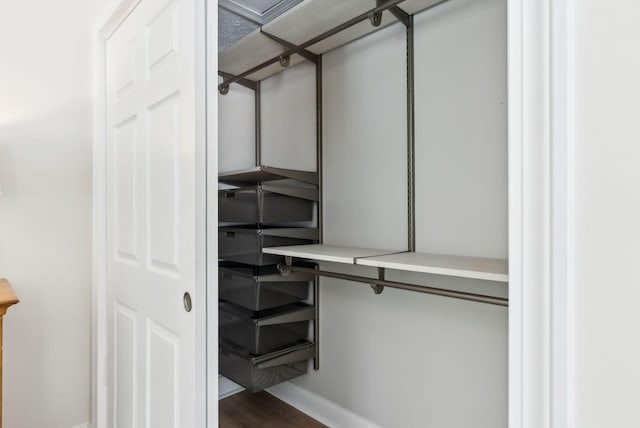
258	174
326	253
306	25
440	264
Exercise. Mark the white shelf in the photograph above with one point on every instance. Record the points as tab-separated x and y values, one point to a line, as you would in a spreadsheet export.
302	23
460	266
440	264
326	253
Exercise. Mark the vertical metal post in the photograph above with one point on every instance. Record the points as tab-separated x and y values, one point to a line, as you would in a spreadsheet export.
411	133
258	125
316	322
319	143
316	281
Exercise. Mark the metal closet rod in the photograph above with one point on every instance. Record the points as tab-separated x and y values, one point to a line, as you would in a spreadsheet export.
335	30
482	298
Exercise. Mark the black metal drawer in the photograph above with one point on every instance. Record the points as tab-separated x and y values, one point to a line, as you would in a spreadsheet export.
266	331
245	244
256	205
260	287
256	373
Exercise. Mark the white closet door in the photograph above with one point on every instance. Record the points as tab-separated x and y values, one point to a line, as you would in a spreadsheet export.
151	217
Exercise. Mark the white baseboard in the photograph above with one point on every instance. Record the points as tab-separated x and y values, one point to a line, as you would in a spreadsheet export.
227	388
319	408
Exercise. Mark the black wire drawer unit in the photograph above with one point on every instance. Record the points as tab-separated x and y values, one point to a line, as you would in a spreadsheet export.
257	372
260	287
245	244
265	331
266	204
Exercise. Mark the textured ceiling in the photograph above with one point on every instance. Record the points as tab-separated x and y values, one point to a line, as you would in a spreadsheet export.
231	28
237	18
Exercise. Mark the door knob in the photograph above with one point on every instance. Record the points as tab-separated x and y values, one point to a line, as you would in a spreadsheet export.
186	299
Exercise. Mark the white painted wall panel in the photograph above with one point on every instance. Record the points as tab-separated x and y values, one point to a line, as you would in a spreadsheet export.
607	209
365	142
45	209
461	129
289	119
236	129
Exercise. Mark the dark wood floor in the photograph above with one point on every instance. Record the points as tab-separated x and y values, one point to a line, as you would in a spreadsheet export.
261	410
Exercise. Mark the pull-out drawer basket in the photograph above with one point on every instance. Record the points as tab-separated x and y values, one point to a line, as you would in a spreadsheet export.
257	205
259	288
245	244
256	373
266	331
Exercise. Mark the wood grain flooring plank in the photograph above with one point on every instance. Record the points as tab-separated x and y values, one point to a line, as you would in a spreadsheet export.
261	410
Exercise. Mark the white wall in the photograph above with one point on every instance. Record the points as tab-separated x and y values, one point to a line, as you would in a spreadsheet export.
45	211
405	359
607	213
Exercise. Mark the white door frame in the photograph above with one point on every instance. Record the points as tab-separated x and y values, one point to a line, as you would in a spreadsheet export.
541	195
108	21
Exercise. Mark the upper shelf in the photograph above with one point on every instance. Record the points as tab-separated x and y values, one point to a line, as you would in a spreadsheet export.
459	266
302	24
262	173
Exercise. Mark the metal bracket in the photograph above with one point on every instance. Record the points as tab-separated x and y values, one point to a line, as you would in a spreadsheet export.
378	288
400	15
223	89
308	55
375	18
285	60
244	82
285	269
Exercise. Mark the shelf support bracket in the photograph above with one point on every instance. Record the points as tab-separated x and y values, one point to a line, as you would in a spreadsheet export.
377	287
223	88
294	49
285	60
285	268
375	18
400	14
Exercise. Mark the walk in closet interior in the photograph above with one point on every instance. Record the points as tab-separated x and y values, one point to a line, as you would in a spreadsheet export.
362	201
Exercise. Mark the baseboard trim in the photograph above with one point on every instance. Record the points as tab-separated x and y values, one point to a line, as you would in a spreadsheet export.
319	408
227	388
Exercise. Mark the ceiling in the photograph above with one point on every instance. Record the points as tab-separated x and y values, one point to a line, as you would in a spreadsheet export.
238	18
